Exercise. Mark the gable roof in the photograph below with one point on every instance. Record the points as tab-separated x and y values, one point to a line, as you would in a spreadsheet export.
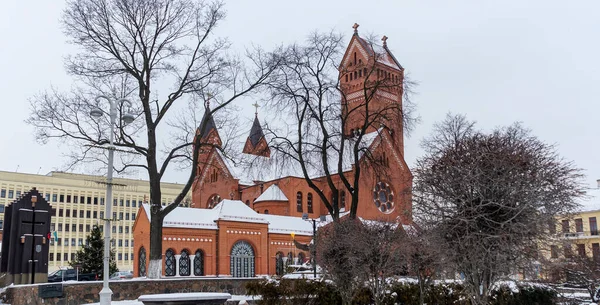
383	54
368	49
235	210
272	193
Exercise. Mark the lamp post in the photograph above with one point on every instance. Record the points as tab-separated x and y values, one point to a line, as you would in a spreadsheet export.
314	246
106	293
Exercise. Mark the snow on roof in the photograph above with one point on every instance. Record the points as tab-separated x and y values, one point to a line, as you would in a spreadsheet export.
288	224
272	193
590	202
235	210
191	218
232	210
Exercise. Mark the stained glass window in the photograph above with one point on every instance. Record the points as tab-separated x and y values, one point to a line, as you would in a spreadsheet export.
383	197
142	267
199	263
184	263
309	203
170	263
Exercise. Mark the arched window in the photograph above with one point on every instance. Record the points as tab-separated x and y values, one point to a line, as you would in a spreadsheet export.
184	263
309	204
142	262
365	71
342	199
301	258
170	263
355	58
290	259
346	77
299	202
248	202
213	201
242	260
266	211
199	263
279	263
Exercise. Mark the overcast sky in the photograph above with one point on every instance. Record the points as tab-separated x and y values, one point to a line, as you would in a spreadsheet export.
495	61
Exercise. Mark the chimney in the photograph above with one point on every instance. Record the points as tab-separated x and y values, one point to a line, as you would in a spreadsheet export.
598	182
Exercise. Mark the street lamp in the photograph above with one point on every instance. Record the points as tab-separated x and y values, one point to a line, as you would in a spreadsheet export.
314	246
128	117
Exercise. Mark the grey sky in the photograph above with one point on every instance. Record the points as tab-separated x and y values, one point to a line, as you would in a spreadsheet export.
495	61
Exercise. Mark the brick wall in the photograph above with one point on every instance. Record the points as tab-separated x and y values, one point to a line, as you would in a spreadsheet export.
87	292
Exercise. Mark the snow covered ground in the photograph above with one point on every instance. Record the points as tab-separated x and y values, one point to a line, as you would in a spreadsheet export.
136	302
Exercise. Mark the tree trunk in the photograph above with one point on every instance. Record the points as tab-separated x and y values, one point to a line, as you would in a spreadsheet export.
421	292
155	266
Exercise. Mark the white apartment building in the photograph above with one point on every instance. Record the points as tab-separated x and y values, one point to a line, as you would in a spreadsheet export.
78	203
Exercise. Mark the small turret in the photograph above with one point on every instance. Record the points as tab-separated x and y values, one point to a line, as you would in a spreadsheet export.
256	144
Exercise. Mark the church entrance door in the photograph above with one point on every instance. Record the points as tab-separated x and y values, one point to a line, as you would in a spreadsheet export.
242	260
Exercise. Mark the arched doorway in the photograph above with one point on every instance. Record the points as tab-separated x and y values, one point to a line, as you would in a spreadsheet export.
142	262
242	260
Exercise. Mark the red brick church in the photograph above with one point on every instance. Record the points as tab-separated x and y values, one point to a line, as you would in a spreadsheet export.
242	220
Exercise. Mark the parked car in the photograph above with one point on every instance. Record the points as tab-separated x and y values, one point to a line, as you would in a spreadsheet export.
70	275
121	275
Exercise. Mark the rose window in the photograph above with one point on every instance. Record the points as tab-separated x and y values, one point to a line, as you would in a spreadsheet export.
383	197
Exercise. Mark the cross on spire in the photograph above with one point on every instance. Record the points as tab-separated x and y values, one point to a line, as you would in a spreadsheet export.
256	106
384	39
355	27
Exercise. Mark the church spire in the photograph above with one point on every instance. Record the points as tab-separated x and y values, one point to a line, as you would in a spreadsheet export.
207	121
256	143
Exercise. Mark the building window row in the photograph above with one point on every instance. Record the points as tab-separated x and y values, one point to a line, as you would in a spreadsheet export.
566	226
61	198
581	251
184	266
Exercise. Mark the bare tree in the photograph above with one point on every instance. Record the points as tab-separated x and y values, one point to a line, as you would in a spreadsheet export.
357	255
577	268
321	132
490	197
133	49
424	255
386	256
